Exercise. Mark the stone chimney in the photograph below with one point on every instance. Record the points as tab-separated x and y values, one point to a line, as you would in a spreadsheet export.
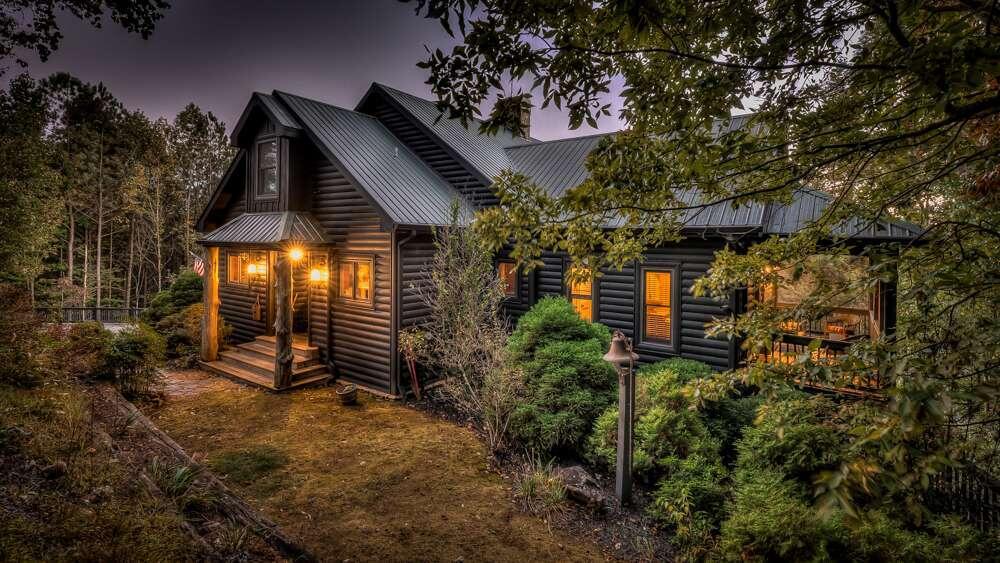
526	115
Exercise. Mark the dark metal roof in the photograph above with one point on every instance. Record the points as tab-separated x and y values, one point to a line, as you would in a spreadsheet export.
278	111
485	153
402	186
807	207
284	122
268	228
238	164
557	166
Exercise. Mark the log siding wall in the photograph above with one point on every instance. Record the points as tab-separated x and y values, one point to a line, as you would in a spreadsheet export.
361	336
618	300
236	302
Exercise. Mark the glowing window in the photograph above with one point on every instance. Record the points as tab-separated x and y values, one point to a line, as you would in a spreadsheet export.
508	274
236	267
581	295
356	280
656	306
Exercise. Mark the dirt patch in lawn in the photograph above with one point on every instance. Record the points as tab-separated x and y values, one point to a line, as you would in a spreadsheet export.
377	481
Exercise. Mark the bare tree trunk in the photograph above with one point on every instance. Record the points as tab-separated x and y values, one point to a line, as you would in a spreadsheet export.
100	214
131	256
110	291
283	321
86	264
158	233
70	244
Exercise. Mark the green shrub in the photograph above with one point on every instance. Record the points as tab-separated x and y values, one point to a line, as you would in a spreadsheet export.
769	521
182	333
553	320
684	368
185	290
728	419
568	385
666	429
85	350
793	436
690	499
133	359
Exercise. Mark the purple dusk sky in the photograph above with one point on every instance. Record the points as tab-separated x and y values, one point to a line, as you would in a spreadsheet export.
216	52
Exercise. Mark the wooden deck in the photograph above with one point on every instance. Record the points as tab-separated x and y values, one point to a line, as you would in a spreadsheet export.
253	363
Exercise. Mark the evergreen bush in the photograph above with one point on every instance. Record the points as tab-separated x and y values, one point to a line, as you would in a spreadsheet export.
567	382
182	334
184	291
85	348
133	359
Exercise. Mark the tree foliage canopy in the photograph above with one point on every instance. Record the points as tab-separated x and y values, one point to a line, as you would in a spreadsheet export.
33	25
891	108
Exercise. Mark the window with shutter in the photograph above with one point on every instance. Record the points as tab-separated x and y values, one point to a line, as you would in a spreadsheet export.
657	306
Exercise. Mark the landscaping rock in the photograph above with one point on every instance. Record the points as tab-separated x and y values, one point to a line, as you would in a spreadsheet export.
54	471
581	487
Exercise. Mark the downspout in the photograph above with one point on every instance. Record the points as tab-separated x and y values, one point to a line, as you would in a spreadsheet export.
397	292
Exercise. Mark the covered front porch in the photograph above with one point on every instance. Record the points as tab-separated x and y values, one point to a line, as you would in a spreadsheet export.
265	294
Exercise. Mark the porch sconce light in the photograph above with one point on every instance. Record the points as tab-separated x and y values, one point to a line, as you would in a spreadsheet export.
621	356
252	269
295	254
317	275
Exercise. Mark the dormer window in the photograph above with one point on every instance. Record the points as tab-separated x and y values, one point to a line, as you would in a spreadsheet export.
267	169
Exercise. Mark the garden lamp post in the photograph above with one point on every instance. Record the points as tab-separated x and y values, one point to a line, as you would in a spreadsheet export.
621	356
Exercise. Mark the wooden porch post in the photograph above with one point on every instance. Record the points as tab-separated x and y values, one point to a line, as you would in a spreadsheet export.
210	320
282	321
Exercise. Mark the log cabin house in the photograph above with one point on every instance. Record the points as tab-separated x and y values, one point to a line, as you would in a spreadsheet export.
323	223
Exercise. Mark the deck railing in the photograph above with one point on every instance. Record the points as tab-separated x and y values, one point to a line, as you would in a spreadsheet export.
791	347
84	314
968	493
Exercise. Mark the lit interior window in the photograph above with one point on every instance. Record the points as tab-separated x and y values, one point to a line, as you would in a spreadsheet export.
581	295
364	278
508	274
657	306
356	279
347	280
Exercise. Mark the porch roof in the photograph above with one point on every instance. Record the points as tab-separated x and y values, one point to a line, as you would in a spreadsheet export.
268	228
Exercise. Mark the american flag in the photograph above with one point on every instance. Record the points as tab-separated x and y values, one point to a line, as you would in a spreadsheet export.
199	265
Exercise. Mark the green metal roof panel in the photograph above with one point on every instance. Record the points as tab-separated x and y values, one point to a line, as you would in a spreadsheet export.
484	153
268	228
808	205
398	182
278	111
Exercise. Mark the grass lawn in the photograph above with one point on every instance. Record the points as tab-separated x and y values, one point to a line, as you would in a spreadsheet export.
94	509
378	481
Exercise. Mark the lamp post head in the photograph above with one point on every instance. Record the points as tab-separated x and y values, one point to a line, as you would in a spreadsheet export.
619	353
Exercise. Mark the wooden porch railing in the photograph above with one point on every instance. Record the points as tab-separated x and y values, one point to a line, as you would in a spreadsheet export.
84	314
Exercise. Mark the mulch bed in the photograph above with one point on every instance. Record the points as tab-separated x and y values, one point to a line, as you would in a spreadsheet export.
625	533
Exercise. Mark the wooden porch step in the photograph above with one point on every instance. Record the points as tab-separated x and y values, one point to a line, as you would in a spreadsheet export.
266	351
230	371
265	367
299	345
